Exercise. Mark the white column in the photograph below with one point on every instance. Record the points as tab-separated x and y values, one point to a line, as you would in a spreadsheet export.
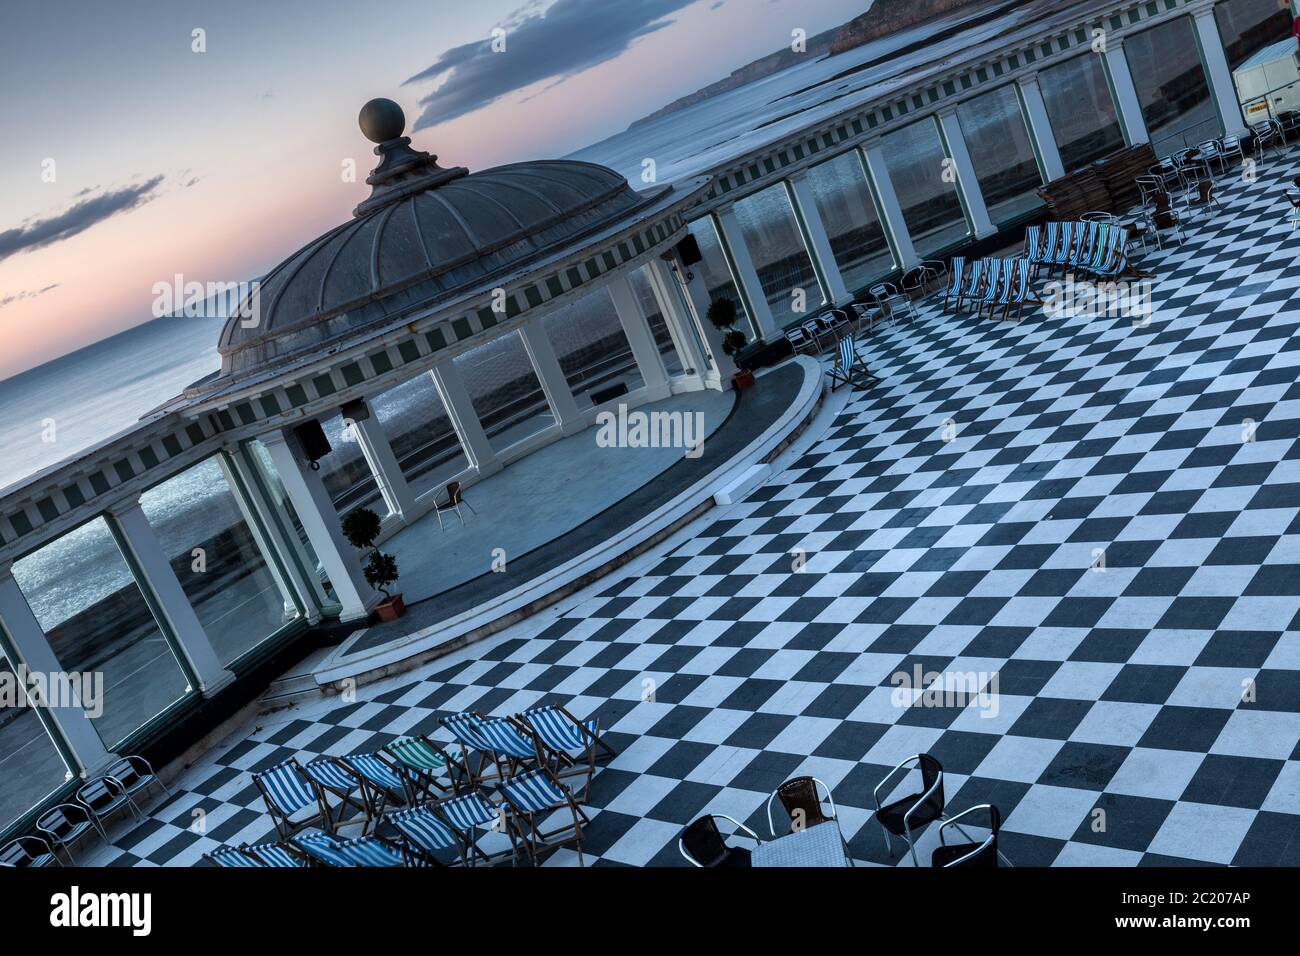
1127	104
33	652
266	532
1040	128
320	520
379	455
1217	71
460	412
891	212
145	553
746	276
636	327
968	184
702	342
816	238
551	376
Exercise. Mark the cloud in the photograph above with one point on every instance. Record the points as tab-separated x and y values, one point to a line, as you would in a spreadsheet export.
26	294
541	43
77	218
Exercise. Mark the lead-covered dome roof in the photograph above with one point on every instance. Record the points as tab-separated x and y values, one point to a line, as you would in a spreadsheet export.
424	234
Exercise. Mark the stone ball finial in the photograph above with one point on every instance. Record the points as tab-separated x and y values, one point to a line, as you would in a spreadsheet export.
381	120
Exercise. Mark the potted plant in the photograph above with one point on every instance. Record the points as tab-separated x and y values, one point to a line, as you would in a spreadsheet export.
361	528
722	316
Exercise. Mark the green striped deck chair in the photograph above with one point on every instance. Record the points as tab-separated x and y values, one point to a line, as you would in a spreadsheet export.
427	765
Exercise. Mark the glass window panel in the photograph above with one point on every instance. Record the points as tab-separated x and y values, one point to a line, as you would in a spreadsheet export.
997	139
775	244
345	471
848	212
716	272
1171	86
1248	26
95	618
229	584
415	420
507	396
932	210
289	516
589	341
658	325
31	767
1081	110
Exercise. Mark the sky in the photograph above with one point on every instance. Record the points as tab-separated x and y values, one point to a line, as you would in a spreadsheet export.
210	139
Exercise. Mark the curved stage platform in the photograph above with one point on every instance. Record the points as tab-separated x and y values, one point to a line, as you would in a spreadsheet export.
567	515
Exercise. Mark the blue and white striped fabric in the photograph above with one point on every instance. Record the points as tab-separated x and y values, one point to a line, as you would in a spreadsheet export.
323	847
329	774
228	856
468	811
534	791
272	854
369	851
422	827
504	738
556	730
286	788
464	727
375	771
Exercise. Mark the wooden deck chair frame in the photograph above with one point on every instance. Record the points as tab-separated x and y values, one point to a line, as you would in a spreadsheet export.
425	783
285	827
848	368
525	824
565	765
355	798
956	277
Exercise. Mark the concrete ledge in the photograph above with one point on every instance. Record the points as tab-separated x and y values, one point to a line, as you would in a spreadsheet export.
347	667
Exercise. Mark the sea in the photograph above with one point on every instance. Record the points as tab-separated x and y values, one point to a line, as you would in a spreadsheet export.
57	410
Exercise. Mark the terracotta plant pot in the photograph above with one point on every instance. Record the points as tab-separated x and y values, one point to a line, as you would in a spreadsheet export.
742	380
391	608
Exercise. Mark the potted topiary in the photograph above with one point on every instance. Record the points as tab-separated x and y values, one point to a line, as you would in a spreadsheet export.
722	316
361	528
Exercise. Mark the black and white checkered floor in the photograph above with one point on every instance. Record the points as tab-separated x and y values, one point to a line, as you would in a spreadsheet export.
1073	505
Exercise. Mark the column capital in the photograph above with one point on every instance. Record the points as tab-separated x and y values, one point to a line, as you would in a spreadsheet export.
948	110
1203	11
1028	79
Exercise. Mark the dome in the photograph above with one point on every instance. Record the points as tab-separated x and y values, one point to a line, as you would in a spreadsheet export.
425	234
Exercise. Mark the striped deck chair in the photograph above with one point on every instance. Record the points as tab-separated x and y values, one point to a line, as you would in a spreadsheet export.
292	800
514	748
320	848
992	287
956	276
336	778
1034	243
384	783
478	753
849	368
1101	249
1051	245
469	814
426	763
532	797
974	284
275	855
429	831
372	851
1067	233
231	858
1022	292
1117	263
1087	234
573	741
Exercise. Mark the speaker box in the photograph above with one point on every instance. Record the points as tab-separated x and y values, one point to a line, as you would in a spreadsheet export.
315	444
689	251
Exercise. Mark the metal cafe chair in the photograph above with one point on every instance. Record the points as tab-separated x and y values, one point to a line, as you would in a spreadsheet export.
973	853
703	845
906	815
455	498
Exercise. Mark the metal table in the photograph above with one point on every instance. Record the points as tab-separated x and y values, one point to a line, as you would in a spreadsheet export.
819	845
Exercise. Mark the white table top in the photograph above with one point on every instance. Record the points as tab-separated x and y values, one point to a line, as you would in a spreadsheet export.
819	845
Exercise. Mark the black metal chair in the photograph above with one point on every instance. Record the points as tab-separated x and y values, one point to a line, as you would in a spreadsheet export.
904	816
455	498
64	825
973	853
802	802
703	845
